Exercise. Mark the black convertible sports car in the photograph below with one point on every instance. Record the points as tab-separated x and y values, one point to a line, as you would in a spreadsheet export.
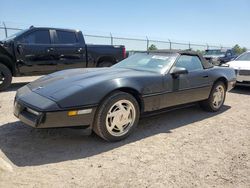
111	100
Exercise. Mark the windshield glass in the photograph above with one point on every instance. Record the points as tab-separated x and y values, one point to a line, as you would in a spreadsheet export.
214	52
149	62
243	57
15	35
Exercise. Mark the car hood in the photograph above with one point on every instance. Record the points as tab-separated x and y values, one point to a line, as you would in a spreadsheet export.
239	64
64	83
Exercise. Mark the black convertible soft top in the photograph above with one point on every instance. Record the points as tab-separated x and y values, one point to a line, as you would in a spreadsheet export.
205	63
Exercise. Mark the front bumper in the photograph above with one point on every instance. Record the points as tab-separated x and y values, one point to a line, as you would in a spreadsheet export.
243	77
231	85
36	115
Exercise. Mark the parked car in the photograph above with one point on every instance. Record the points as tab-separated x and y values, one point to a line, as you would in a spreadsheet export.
219	56
38	51
111	100
241	65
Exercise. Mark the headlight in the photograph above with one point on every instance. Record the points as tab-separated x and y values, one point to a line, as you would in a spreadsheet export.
32	111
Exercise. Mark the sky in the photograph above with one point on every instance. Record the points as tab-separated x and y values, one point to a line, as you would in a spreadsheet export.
225	22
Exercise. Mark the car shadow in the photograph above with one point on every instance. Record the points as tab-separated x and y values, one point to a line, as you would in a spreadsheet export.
26	146
244	90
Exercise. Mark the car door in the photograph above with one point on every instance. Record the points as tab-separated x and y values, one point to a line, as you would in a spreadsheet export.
35	53
190	87
70	52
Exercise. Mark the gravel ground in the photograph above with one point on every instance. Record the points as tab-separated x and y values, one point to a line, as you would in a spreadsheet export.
182	148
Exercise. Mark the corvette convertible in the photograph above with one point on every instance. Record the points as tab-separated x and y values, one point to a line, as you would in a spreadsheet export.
111	100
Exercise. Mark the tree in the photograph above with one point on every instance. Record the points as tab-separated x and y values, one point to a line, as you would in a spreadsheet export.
152	47
200	51
244	49
238	50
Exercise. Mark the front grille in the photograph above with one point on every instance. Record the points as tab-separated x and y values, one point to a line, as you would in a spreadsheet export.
244	72
244	82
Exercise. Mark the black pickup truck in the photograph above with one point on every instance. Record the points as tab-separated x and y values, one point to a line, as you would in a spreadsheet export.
38	51
219	56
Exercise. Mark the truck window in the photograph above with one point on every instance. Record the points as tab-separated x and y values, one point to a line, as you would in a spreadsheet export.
37	37
66	37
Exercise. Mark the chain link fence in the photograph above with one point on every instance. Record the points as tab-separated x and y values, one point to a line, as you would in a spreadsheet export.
132	44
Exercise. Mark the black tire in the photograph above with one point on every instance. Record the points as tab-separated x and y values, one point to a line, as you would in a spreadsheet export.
105	64
101	128
5	77
208	104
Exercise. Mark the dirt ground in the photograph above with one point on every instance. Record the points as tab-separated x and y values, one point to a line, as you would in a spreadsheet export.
182	148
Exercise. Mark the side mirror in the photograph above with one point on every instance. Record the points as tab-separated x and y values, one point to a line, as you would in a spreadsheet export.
177	71
19	48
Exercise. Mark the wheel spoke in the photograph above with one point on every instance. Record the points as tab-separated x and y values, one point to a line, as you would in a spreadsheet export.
121	107
112	126
120	127
113	114
215	103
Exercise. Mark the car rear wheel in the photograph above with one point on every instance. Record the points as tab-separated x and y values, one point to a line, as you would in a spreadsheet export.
5	77
216	98
117	116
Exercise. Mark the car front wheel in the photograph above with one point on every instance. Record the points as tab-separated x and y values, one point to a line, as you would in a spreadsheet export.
117	116
216	98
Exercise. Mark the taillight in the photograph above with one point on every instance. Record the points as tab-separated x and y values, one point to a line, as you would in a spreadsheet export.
124	52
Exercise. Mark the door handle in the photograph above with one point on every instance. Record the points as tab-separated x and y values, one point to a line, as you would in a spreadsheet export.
79	50
50	49
205	76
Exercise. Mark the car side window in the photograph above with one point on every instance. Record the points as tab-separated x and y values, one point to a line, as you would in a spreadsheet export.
66	37
191	63
229	53
37	37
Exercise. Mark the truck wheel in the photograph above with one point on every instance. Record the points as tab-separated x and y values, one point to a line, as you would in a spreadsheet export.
5	77
105	64
216	98
117	116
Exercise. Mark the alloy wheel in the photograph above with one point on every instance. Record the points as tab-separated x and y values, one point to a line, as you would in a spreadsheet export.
120	118
218	96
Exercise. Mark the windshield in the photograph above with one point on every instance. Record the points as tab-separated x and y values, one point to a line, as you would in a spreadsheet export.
15	35
149	62
243	57
214	52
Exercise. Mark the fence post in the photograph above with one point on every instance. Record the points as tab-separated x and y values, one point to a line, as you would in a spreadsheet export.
207	46
111	38
147	43
189	46
5	29
170	44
